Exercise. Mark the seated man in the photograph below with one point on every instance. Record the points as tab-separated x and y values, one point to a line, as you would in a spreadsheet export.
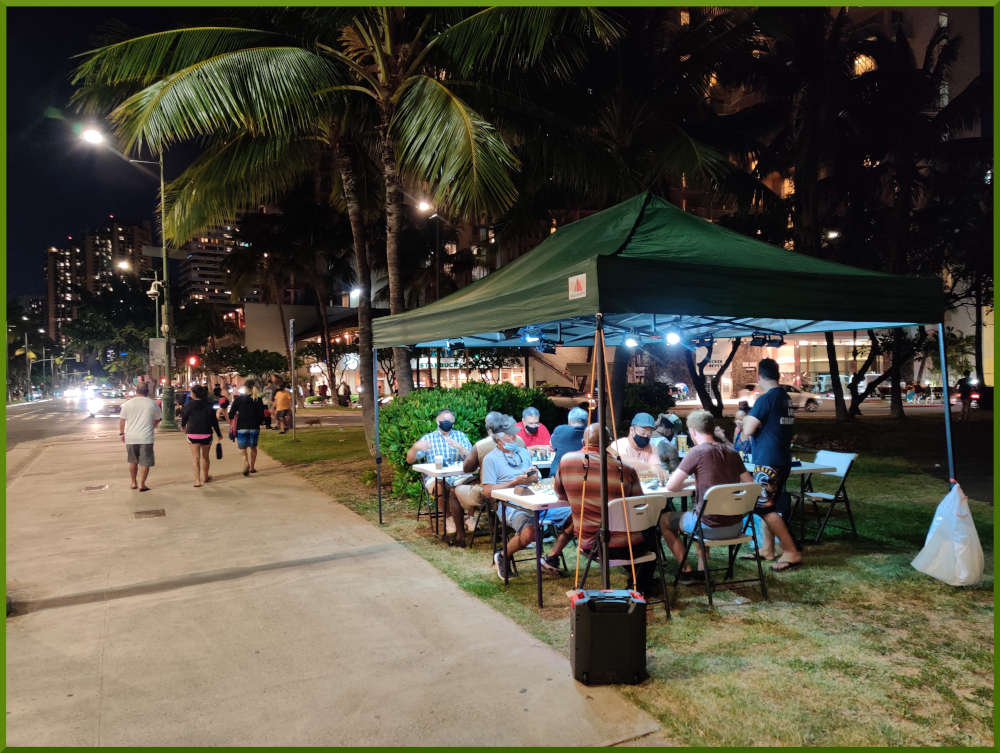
469	496
452	445
568	437
506	466
711	463
635	449
579	480
532	431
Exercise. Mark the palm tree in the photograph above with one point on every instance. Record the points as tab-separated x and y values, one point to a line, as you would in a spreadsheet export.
267	101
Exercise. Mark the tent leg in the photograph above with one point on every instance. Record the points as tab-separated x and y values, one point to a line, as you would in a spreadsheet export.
378	447
601	413
947	405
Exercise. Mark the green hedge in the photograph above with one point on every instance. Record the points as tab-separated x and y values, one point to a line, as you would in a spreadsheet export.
403	421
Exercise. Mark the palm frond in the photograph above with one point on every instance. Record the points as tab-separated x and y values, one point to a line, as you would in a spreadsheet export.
443	142
262	90
136	63
549	41
232	176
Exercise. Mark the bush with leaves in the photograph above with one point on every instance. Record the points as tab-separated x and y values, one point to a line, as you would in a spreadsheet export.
647	398
403	421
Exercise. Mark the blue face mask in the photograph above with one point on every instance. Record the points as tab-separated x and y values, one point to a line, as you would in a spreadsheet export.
510	446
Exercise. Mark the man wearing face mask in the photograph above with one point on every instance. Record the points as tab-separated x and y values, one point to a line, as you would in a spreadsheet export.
532	431
506	466
635	449
452	445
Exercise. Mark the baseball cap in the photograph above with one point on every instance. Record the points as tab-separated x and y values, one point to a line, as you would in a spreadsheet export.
643	419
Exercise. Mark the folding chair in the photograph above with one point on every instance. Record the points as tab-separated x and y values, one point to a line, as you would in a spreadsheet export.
843	462
726	499
643	513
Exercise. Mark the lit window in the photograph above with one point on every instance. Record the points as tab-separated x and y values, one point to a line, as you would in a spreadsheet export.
864	64
685	18
787	188
943	19
943	97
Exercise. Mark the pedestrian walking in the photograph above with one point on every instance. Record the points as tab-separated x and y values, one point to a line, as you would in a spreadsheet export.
282	405
138	418
245	417
199	420
964	388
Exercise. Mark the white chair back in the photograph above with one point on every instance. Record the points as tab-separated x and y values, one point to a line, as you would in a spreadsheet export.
731	499
643	512
842	461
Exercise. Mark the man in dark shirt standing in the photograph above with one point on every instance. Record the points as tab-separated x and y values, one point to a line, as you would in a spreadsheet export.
769	427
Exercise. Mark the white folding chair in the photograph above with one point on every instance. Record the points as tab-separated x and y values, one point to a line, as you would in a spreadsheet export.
643	514
726	499
843	462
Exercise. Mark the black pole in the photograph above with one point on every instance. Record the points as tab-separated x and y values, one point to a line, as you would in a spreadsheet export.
947	404
602	445
437	260
378	447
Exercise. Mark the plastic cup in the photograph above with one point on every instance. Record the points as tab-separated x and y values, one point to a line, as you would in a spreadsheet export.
439	461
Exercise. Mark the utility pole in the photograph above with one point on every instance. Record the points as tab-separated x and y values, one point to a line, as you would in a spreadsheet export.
291	347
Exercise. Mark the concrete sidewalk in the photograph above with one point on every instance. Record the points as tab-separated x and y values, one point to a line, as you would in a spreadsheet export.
256	611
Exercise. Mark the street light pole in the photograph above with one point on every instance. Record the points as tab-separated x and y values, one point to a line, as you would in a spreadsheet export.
168	422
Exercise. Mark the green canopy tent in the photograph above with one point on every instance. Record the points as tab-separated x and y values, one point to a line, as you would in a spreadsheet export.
643	269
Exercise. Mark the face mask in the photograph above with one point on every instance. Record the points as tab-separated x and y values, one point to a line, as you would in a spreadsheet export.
510	446
640	442
445	426
531	429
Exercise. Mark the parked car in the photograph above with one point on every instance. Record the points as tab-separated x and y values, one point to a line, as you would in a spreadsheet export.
798	398
566	397
106	403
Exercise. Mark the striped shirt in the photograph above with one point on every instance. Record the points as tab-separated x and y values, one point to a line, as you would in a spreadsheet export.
574	468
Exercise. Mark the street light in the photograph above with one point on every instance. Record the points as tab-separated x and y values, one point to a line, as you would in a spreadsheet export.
94	136
124	265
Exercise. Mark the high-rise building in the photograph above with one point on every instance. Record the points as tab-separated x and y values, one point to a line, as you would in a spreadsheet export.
64	270
114	248
203	273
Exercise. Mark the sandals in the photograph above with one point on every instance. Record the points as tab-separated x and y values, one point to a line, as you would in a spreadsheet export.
783	566
753	557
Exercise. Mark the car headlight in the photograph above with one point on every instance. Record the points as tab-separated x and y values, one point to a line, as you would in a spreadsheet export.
95	405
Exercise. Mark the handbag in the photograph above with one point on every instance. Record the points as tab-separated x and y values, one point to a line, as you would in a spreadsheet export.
218	450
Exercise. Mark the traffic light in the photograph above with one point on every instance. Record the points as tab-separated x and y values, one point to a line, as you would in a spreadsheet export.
193	361
163	380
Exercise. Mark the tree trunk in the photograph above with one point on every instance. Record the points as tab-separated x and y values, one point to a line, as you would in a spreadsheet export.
895	371
619	375
717	377
697	373
393	228
856	397
978	329
836	386
363	269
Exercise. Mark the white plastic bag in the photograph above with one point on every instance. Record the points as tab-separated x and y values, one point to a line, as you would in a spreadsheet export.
952	552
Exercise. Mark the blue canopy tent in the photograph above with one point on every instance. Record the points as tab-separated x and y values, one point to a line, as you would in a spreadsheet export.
644	271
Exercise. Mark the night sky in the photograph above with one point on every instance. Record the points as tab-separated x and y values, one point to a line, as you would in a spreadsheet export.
56	184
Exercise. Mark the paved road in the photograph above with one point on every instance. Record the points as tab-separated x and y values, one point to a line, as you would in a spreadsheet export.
45	419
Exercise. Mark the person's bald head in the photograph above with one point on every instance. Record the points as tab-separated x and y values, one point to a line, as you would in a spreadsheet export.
592	435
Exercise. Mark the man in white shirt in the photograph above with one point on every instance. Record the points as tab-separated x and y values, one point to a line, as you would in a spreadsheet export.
139	418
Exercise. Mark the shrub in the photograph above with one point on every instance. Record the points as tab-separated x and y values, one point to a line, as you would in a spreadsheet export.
403	421
314	399
647	398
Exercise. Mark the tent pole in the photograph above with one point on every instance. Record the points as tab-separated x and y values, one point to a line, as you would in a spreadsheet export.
378	448
947	405
602	445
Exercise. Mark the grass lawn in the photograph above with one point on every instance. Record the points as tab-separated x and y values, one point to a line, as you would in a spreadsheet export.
856	648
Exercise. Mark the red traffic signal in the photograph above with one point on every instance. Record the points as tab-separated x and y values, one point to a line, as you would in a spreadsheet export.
163	380
193	361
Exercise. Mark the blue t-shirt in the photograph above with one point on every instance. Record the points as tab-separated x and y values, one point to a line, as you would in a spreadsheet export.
565	439
772	442
501	467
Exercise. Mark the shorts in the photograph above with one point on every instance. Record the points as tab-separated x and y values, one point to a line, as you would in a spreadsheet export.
247	438
281	415
199	440
772	484
141	454
516	519
685	521
470	496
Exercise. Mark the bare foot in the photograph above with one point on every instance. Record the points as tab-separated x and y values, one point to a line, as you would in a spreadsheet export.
134	486
196	485
144	488
207	479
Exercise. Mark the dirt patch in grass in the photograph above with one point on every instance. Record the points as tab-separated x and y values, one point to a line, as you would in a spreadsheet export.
855	649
